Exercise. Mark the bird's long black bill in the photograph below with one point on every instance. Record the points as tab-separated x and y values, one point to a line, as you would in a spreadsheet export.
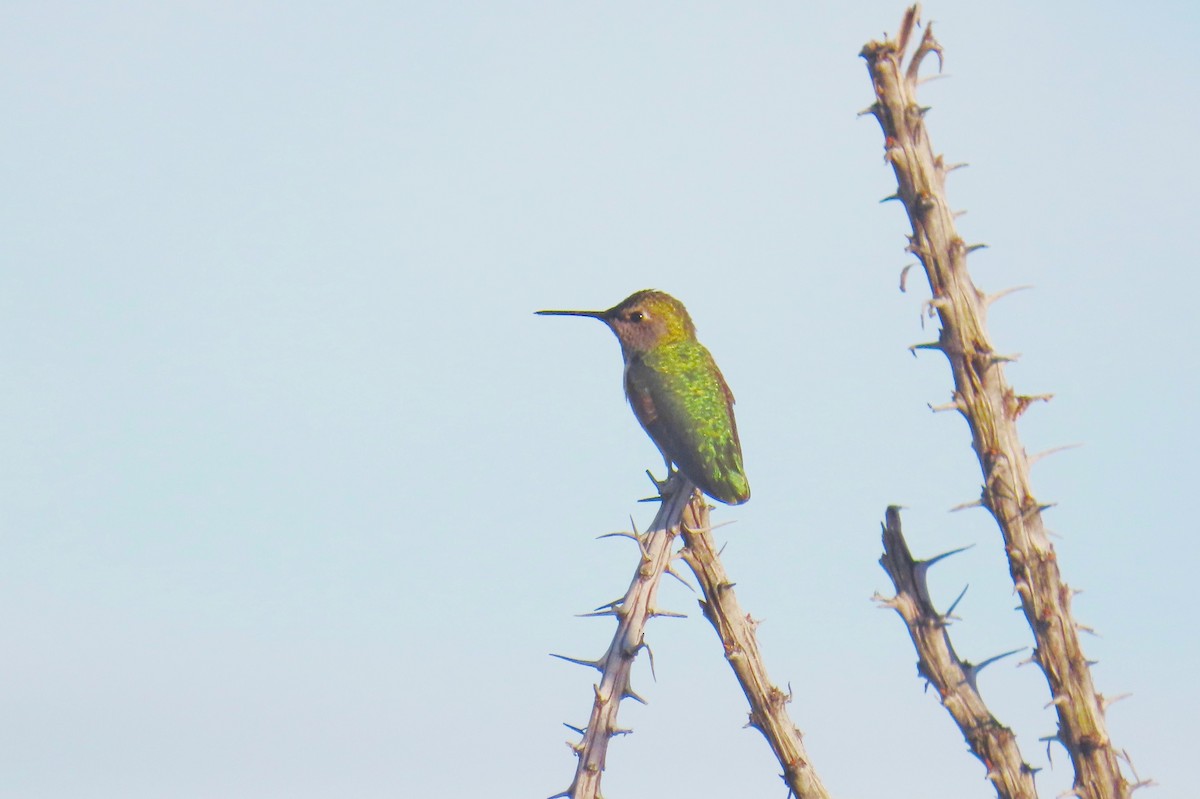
592	314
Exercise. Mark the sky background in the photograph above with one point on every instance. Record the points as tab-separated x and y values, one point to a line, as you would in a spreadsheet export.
298	494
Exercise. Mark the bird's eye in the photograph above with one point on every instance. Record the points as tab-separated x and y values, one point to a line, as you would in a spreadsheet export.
636	316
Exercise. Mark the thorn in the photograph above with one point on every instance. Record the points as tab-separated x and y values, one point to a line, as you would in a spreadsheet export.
573	728
1139	782
904	277
612	604
597	613
650	654
890	197
887	602
952	167
952	405
911	20
943	556
1022	402
629	693
926	46
1046	453
1057	701
973	247
1083	628
615	731
978	667
670	614
671	571
621	534
996	358
991	298
950	611
975	503
595	664
1107	702
872	109
1049	739
938	303
922	110
930	345
921	571
710	528
567	793
1046	507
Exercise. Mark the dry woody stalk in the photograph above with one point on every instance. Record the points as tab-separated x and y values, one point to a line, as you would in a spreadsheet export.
632	612
991	409
684	511
735	628
954	679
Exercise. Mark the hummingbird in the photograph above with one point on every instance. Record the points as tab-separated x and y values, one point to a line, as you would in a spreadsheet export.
677	392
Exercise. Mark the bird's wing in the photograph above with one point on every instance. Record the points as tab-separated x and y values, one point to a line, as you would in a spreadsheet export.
686	407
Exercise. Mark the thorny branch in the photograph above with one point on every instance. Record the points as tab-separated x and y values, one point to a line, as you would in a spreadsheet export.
990	741
991	409
768	704
632	613
685	510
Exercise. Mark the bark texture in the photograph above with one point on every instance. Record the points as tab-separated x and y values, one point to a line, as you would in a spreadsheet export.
685	511
632	612
954	679
990	407
768	704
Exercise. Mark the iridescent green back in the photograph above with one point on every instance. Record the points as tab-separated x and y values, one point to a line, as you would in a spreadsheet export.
681	398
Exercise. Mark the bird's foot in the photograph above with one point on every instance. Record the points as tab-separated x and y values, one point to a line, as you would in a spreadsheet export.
665	487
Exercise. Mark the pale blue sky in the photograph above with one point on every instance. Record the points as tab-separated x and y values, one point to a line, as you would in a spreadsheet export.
298	494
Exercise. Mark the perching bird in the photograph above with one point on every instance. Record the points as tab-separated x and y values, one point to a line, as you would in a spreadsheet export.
677	392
